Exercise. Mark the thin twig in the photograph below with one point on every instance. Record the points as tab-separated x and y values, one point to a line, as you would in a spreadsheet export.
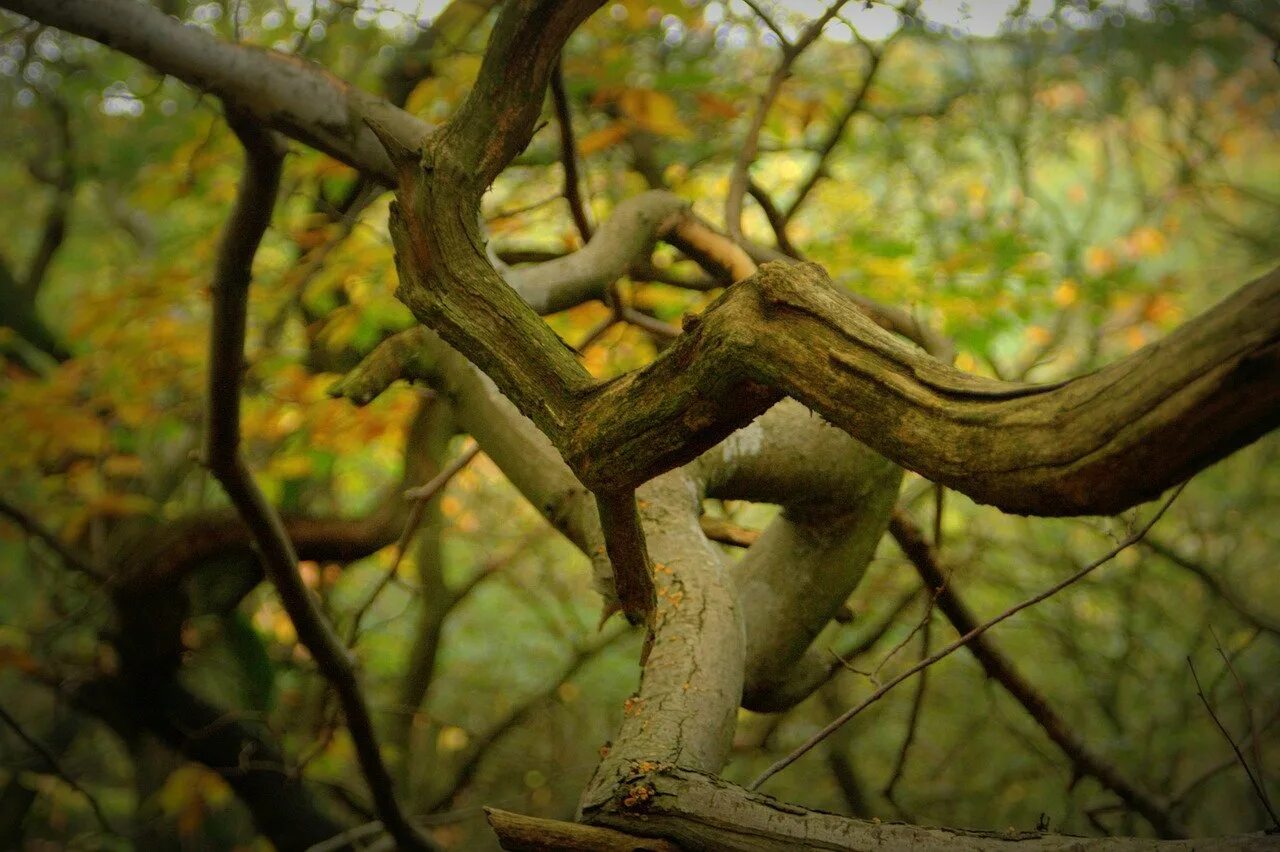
72	557
245	227
913	720
768	22
1001	669
834	135
960	643
1254	744
56	768
740	175
1244	764
421	496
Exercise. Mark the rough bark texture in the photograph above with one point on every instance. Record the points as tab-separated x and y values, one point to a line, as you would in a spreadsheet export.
683	713
700	812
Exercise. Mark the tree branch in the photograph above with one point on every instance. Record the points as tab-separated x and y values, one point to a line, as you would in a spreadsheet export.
53	765
965	639
739	175
1001	669
245	227
569	153
285	93
71	557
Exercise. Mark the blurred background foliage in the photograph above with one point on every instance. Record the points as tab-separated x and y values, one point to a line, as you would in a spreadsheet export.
1051	185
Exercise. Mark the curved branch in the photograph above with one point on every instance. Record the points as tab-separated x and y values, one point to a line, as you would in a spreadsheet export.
701	812
1094	445
245	227
836	496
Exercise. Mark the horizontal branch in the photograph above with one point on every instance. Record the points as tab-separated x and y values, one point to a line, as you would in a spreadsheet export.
1097	444
701	812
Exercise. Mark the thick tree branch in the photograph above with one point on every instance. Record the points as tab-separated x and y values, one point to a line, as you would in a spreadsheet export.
1093	445
836	495
705	813
245	227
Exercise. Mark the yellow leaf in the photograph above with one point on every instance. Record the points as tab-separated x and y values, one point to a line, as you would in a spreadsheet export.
1098	260
1146	241
1066	293
653	111
605	137
291	467
452	738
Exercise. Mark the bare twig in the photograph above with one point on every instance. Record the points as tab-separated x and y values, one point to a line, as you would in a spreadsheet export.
1247	707
421	496
1001	669
834	135
768	22
484	742
73	558
56	768
740	175
964	640
245	227
1211	579
1244	764
776	218
913	720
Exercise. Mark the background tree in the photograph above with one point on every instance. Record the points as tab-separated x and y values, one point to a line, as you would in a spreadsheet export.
1030	192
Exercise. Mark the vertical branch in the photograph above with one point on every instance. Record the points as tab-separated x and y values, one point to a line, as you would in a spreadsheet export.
569	153
1244	764
245	227
63	183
